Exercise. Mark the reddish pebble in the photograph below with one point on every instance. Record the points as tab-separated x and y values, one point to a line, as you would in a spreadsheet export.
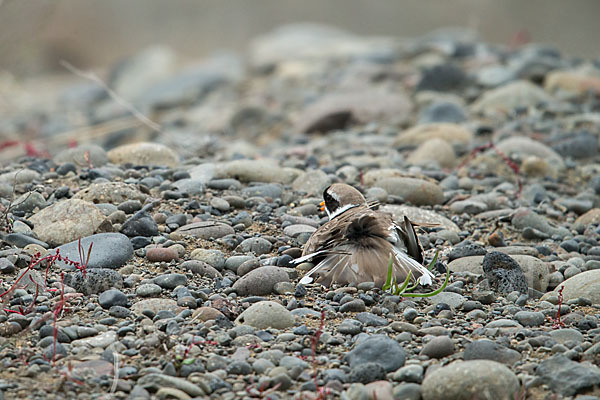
161	254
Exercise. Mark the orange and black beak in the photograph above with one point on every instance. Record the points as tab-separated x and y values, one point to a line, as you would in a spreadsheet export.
322	204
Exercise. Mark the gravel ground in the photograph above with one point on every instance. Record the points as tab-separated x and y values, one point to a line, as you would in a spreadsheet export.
188	290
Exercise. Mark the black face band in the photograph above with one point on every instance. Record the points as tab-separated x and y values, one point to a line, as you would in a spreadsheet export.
330	203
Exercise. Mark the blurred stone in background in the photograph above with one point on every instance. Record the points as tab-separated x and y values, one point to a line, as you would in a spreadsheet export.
35	35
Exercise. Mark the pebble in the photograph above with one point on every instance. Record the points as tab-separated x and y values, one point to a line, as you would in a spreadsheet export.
201	268
148	290
256	245
266	314
312	182
377	349
140	224
366	372
158	254
415	191
80	155
585	284
260	281
170	281
214	258
504	273
143	153
452	133
96	280
112	297
530	318
465	379
488	350
567	377
438	347
156	381
203	230
264	170
67	221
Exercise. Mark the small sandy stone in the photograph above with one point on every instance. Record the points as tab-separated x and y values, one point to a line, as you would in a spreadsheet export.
204	314
144	153
451	133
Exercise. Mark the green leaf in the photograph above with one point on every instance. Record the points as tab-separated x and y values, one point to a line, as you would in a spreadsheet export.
188	361
434	261
434	292
388	280
402	288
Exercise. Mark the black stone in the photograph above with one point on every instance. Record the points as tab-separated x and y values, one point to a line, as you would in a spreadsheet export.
503	273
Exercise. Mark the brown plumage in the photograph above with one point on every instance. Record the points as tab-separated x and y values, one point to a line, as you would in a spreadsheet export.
355	245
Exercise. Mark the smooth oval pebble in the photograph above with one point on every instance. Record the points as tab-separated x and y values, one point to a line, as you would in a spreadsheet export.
157	254
260	281
465	380
266	314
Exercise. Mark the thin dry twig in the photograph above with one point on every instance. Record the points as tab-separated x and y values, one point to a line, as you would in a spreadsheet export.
124	103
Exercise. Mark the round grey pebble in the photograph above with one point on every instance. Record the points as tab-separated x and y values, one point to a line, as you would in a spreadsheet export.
349	327
260	281
409	373
410	314
239	368
483	379
148	290
256	245
485	349
112	297
366	373
379	349
438	347
170	281
356	305
530	318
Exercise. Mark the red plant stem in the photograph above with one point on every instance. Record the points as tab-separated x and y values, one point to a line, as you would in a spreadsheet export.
314	341
557	322
57	310
510	163
82	266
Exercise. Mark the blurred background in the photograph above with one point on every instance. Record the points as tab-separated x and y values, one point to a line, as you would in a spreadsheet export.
35	35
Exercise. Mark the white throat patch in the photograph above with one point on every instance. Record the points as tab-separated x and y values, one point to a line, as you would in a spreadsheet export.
340	210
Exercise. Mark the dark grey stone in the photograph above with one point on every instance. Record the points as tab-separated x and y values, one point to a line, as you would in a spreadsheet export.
485	349
568	377
530	318
503	273
112	297
379	349
21	240
442	111
466	250
170	281
438	347
367	372
140	224
371	319
442	77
